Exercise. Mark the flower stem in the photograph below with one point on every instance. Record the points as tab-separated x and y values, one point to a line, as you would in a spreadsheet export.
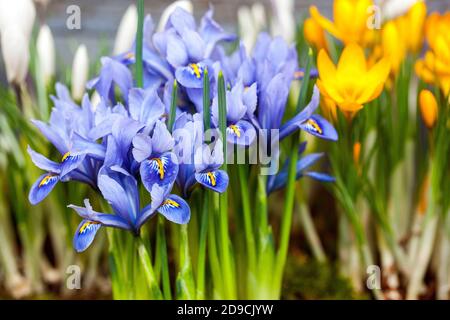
139	44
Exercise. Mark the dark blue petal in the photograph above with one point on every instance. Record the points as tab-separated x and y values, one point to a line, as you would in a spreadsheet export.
295	123
319	127
322	177
175	209
85	235
191	76
242	133
108	220
307	161
42	187
161	170
42	162
70	162
215	180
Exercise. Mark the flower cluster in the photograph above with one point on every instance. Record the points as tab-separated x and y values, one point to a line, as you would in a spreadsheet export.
125	141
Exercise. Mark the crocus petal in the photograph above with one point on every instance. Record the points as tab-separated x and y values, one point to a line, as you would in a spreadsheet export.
322	177
175	209
42	187
215	180
319	127
85	235
161	170
42	162
241	133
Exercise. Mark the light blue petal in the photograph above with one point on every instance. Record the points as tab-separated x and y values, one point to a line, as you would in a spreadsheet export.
85	234
42	187
175	209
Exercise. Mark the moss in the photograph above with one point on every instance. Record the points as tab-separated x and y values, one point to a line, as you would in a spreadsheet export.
310	280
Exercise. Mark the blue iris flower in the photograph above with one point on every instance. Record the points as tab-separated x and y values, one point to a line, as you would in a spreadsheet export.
278	181
207	163
67	120
120	189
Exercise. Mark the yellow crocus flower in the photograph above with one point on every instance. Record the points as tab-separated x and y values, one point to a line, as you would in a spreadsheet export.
428	108
351	18
351	84
393	45
435	66
314	34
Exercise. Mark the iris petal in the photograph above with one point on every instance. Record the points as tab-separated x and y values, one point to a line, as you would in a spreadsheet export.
42	187
85	235
241	133
175	209
191	76
70	162
161	170
215	180
319	127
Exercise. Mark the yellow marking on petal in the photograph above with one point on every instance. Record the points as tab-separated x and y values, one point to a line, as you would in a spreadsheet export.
212	178
235	130
129	55
45	180
160	165
86	225
171	203
299	74
196	69
314	124
65	156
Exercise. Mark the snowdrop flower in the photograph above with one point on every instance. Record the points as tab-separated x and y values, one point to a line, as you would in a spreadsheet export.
283	21
395	8
20	14
46	53
80	71
251	20
15	54
127	31
183	4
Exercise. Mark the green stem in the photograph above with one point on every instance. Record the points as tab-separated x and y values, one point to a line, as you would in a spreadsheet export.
223	203
173	106
202	249
139	44
250	239
164	261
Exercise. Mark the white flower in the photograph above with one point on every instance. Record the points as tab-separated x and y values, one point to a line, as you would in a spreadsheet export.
127	31
184	4
80	72
18	13
15	54
394	8
251	22
46	53
283	21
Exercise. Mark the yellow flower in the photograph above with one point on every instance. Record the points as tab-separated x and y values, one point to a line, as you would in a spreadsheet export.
393	45
414	23
351	18
351	84
328	108
314	34
428	108
435	66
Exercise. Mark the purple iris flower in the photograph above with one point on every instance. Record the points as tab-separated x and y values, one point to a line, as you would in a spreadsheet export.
120	189
278	181
207	164
112	73
66	121
156	69
241	103
158	164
